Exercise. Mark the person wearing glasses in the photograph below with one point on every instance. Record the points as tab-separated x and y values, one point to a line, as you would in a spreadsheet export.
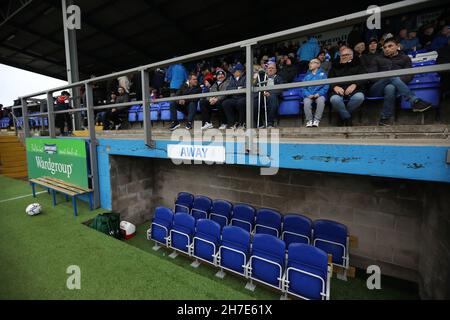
314	94
393	59
346	97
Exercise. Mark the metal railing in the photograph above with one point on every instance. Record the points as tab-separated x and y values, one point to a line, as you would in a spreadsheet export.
248	45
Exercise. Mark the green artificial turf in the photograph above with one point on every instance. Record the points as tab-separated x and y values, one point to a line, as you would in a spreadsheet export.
36	251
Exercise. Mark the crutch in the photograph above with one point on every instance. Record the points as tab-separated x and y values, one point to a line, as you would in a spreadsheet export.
260	84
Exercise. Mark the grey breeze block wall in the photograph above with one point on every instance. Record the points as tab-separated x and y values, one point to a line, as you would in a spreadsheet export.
403	226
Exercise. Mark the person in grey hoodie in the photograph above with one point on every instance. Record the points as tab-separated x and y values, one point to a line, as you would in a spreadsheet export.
209	103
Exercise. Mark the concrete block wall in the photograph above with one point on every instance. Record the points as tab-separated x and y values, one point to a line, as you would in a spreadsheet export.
390	217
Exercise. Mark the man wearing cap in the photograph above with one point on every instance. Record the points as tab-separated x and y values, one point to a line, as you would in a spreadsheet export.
209	103
393	59
231	104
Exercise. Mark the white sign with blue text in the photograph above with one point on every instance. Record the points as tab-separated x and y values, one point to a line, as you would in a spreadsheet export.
199	153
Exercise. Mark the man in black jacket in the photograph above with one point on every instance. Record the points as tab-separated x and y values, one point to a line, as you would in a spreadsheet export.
233	103
270	97
185	106
353	92
393	59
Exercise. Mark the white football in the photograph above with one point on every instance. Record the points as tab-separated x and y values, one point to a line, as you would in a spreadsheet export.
33	209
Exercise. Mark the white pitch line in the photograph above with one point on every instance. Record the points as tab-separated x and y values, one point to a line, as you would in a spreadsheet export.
20	197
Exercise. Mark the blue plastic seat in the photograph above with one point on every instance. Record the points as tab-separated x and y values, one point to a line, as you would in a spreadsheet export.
165	112
243	216
201	207
296	229
267	258
290	107
182	232
221	212
161	225
132	113
332	237
268	221
425	86
183	202
234	249
307	273
206	240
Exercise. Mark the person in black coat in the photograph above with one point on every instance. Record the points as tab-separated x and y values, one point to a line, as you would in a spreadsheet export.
393	59
188	107
352	92
231	104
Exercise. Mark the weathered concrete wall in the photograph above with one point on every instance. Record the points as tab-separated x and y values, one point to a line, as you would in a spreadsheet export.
393	219
434	264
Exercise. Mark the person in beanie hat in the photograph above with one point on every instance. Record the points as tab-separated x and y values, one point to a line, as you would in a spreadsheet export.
210	103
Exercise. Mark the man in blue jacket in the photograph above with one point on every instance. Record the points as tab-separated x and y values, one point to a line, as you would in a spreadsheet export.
314	94
307	51
176	75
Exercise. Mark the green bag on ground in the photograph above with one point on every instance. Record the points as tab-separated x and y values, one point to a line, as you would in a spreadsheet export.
107	223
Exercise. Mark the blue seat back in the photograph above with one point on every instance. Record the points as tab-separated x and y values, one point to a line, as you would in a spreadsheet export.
163	217
267	220
331	231
246	214
309	259
210	231
222	212
298	224
289	107
184	223
184	202
201	207
270	248
237	239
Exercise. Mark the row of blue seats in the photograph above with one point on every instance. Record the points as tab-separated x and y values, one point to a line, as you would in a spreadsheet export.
291	228
4	122
304	272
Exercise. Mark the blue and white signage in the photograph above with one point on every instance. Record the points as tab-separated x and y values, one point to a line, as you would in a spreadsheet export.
198	153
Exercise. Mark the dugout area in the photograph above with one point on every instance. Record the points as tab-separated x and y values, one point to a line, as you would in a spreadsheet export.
36	252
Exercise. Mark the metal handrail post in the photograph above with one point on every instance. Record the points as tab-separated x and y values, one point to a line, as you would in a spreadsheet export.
92	144
26	125
249	94
146	108
51	116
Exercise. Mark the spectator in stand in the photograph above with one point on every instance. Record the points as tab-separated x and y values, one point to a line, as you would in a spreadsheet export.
442	40
207	104
309	50
125	83
314	94
426	35
393	59
271	97
205	74
355	36
113	117
188	107
176	75
288	70
325	63
359	49
384	37
372	52
411	43
157	79
353	92
62	103
100	118
403	34
236	103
